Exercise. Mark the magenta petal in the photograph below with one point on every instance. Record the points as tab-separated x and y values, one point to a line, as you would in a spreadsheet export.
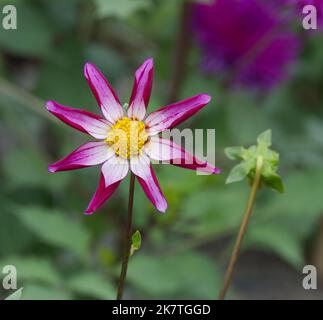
142	168
101	195
80	119
89	154
169	116
141	90
103	92
165	150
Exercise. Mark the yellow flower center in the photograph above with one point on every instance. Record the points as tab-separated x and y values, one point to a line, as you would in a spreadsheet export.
127	137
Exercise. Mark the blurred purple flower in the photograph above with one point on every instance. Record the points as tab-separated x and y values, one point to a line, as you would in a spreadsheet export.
245	40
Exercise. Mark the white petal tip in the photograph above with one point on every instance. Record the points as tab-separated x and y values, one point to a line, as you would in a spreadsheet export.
149	61
50	105
205	98
51	169
88	66
162	208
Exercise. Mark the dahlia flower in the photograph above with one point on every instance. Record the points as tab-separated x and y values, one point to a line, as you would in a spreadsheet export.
247	41
127	140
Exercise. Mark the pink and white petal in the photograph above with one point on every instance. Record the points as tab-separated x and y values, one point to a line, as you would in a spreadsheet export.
141	90
171	115
161	149
103	92
101	195
142	168
165	150
115	169
79	119
89	154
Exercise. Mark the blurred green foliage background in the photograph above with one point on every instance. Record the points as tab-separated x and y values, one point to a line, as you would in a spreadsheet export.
62	254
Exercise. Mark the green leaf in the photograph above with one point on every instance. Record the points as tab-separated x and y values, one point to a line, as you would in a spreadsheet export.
191	275
33	268
40	292
91	284
120	8
55	228
16	295
234	153
249	159
238	172
265	138
275	182
135	242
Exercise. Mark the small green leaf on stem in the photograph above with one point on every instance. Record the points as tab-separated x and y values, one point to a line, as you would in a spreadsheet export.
265	138
248	162
238	172
235	153
135	242
275	182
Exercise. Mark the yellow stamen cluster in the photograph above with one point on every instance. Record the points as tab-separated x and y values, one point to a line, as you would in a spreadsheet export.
127	137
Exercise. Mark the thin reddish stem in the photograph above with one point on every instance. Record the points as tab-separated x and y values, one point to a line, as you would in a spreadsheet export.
124	268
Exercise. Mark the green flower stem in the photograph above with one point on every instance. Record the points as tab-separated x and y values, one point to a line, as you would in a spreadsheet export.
243	228
128	235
